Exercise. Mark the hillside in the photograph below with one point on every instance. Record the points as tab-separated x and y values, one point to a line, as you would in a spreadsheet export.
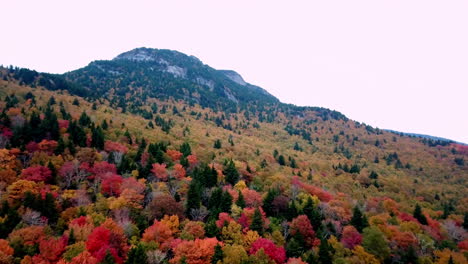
167	156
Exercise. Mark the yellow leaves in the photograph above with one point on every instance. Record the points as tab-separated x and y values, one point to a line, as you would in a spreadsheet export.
17	190
444	256
172	222
240	185
7	160
362	257
68	194
249	238
234	254
410	227
232	234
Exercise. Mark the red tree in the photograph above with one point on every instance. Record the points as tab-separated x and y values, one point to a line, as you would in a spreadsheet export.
350	237
37	174
278	254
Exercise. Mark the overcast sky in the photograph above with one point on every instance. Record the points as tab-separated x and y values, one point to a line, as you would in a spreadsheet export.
400	65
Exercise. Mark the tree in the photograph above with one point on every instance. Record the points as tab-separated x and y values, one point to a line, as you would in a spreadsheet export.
278	254
240	200
257	222
359	220
325	252
231	173
465	221
301	228
198	251
159	170
419	215
159	233
350	237
185	149
217	144
97	138
137	255
165	204
193	197
373	240
37	174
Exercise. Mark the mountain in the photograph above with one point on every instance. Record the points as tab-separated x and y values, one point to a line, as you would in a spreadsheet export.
154	155
167	73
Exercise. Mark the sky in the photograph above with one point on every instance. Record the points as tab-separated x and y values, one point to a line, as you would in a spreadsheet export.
399	64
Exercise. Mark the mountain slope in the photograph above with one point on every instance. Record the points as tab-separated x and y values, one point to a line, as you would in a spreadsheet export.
126	154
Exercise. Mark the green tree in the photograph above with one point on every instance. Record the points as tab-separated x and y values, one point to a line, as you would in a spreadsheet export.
240	200
419	215
137	255
217	144
193	197
257	222
185	149
374	242
359	220
231	173
325	252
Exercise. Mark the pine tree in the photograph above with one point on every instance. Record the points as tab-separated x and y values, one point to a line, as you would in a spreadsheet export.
137	255
419	215
268	201
257	222
193	197
185	149
359	220
325	252
312	213
240	201
97	138
465	221
108	259
217	144
226	202
231	173
218	254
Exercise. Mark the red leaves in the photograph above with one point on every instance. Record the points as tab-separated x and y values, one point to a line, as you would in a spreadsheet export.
159	170
223	219
323	195
36	174
111	184
111	146
350	237
278	254
52	249
103	240
101	168
301	225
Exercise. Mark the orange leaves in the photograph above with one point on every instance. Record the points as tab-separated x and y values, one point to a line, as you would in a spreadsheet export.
179	172
174	154
17	190
52	249
6	252
159	233
198	251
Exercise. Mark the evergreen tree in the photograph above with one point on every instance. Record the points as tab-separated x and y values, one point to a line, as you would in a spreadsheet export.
84	120
281	160
311	211
257	222
294	248
465	221
325	252
450	261
185	149
218	254
231	173
241	201
226	202
97	138
193	197
60	147
137	255
217	144
359	220
108	259
419	215
268	201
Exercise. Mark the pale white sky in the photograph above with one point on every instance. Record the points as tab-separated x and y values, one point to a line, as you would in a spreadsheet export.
398	64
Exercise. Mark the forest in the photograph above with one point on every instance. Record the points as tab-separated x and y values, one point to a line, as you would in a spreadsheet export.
135	177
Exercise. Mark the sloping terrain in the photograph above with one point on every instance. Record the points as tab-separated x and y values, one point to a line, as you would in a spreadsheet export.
169	156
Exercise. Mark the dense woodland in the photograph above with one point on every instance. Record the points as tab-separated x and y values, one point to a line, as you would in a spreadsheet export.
128	176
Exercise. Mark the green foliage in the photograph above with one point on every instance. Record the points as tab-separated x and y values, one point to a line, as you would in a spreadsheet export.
359	220
230	172
374	242
419	215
